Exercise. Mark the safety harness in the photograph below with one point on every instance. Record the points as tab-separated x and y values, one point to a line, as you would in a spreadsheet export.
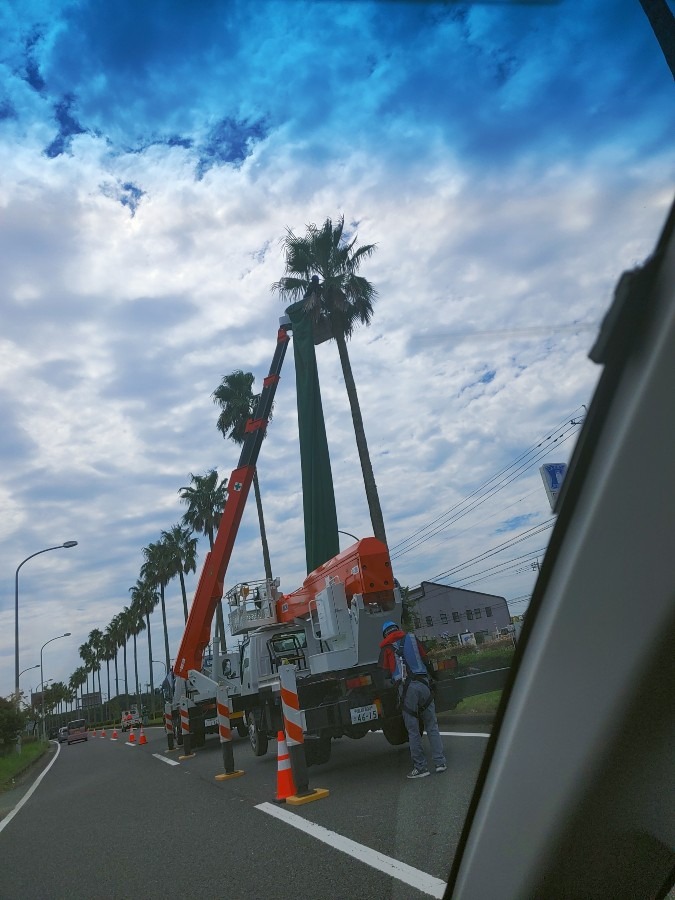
407	678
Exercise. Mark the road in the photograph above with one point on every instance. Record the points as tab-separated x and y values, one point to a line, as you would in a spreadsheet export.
111	821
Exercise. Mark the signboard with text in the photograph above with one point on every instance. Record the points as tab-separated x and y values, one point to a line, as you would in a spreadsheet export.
553	474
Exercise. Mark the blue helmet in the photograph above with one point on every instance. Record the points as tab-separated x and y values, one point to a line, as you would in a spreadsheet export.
388	627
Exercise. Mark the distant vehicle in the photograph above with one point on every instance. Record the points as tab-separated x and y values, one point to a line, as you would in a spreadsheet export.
131	718
63	734
77	731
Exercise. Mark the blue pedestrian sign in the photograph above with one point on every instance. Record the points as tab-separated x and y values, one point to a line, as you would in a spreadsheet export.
552	475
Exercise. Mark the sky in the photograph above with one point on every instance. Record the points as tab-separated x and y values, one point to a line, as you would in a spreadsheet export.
509	161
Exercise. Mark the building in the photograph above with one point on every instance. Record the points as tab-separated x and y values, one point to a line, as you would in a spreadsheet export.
442	612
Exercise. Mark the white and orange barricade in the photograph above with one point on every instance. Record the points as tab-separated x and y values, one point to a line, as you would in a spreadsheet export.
185	728
225	735
168	727
294	726
285	783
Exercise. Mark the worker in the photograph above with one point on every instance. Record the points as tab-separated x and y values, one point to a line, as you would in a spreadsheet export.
403	658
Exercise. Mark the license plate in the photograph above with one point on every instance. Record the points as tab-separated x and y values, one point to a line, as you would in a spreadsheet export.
363	714
209	722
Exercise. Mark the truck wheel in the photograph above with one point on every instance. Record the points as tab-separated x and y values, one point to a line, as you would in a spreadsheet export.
395	731
317	752
242	730
257	737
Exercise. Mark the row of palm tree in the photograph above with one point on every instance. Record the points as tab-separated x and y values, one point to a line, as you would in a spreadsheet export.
321	269
174	555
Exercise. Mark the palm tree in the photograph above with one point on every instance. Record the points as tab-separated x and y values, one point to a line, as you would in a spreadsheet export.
205	500
77	679
96	644
156	571
322	271
108	652
136	625
237	403
183	550
113	635
145	598
87	657
124	621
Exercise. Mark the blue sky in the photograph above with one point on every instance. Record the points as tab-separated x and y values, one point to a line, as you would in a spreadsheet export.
509	161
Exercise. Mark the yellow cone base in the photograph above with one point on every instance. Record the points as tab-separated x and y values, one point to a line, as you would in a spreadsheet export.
189	756
317	794
225	776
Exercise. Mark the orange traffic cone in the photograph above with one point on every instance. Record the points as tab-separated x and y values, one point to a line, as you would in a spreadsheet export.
142	739
103	732
132	737
114	734
94	735
285	783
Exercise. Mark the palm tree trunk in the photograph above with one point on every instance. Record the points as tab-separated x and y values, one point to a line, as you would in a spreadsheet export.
117	678
152	683
182	590
107	665
136	667
263	532
166	630
372	496
126	677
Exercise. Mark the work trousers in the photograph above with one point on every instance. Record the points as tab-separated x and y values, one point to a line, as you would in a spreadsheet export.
417	695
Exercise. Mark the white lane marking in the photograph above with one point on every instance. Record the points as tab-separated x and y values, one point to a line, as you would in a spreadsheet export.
392	867
463	734
8	818
169	762
129	744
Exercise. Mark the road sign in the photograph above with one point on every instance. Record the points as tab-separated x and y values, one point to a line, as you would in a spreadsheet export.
553	474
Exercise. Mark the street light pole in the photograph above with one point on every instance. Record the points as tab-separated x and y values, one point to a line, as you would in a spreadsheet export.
65	545
42	698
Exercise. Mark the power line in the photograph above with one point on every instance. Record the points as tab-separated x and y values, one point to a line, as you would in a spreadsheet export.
523	536
486	490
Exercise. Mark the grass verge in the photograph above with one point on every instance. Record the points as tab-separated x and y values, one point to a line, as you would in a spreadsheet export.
15	763
480	704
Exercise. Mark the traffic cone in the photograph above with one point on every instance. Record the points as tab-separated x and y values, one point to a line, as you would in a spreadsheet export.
285	784
132	737
94	735
114	734
142	739
103	731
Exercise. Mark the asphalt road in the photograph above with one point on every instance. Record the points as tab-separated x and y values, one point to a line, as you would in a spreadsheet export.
115	821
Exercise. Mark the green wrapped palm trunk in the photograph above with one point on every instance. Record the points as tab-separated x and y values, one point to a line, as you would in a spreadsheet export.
318	497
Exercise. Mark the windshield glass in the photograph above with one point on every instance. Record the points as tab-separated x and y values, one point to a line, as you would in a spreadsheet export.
437	200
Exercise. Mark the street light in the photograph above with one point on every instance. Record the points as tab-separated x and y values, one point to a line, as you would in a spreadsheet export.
36	666
58	637
67	545
161	663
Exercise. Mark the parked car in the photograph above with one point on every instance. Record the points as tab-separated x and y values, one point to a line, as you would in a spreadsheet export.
77	731
63	734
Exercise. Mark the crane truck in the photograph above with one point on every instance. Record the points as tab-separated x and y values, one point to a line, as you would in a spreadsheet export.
329	629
